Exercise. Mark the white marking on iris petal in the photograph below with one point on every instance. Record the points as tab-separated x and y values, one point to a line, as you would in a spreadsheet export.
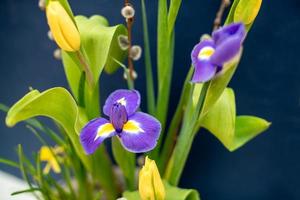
122	101
205	53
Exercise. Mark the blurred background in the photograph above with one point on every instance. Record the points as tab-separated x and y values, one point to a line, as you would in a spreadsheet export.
266	84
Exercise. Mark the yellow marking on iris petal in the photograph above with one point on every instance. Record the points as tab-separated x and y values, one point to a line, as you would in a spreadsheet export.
105	129
205	53
122	101
132	127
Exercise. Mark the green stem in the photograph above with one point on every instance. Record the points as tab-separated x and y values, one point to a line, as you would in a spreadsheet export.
130	82
148	64
186	137
175	124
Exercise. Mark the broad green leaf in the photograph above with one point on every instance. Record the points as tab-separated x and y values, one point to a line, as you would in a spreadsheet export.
57	104
246	128
126	161
172	193
218	84
246	11
220	120
99	44
233	132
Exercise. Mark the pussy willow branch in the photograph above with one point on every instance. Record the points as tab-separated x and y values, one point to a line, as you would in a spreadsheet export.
129	23
219	15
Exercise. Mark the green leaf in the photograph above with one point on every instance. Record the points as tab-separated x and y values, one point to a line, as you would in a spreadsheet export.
220	120
246	128
31	190
99	44
172	15
148	64
233	132
57	104
126	161
172	193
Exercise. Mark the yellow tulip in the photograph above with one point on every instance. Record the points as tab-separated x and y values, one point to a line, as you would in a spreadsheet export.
246	11
63	29
150	183
46	155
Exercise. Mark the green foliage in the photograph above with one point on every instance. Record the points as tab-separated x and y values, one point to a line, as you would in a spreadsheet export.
232	131
99	45
218	84
172	193
50	103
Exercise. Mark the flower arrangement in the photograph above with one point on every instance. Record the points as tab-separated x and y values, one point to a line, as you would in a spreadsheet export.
79	166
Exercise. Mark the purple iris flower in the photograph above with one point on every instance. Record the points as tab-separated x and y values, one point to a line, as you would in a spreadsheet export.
137	131
209	56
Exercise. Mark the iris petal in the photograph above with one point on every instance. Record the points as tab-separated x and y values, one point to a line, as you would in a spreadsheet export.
94	133
227	50
140	133
222	34
129	98
204	71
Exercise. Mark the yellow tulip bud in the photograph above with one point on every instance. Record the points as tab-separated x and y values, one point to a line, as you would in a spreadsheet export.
246	11
150	183
62	27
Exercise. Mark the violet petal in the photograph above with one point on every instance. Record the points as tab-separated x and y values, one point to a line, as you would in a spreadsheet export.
94	133
129	98
140	133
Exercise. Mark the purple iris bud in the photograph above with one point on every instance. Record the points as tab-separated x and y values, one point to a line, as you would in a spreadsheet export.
137	131
209	56
118	116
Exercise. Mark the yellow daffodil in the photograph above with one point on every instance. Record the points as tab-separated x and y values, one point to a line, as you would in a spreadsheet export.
46	155
150	183
64	30
246	11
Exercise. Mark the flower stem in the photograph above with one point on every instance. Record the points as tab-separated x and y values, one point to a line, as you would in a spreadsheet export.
86	69
171	136
186	137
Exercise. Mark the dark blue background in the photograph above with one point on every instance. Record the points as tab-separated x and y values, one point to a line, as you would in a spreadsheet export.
266	84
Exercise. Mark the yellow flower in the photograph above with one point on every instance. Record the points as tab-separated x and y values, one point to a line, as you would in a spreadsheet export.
246	11
150	183
64	30
46	155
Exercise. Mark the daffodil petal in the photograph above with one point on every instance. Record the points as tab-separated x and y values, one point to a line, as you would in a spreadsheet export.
140	133
94	133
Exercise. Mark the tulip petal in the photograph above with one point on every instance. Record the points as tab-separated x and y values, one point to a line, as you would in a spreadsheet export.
94	133
53	22
140	133
62	27
129	98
